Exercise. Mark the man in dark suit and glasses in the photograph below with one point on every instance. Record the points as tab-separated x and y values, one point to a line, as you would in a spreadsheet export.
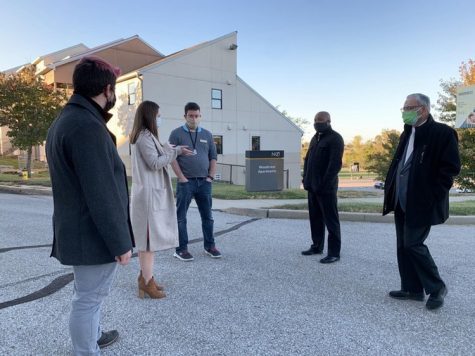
417	190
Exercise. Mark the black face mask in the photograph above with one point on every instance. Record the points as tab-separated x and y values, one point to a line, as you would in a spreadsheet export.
321	126
110	103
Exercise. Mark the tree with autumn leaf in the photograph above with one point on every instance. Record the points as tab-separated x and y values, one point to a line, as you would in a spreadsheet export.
356	151
301	122
303	151
382	150
304	125
447	108
466	178
447	101
28	107
467	72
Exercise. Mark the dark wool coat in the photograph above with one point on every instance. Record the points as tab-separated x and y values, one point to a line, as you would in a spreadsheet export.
435	163
323	162
91	220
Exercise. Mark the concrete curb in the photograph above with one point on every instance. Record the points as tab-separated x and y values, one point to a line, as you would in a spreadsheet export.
344	216
254	213
461	220
26	189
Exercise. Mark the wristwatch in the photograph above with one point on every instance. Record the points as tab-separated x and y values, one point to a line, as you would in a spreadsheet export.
210	177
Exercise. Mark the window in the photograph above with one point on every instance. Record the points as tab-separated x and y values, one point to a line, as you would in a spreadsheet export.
132	92
216	99
256	143
218	141
67	88
64	86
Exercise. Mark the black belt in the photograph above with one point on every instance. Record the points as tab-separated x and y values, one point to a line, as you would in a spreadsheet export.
196	178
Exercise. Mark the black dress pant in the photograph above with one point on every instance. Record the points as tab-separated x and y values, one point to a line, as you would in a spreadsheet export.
323	211
416	267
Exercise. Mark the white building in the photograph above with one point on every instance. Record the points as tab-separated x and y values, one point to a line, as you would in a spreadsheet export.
239	118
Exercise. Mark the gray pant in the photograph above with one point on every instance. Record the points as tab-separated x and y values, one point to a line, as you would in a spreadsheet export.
91	285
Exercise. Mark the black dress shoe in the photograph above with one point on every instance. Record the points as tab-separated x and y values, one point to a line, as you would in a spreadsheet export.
404	295
311	251
436	299
329	259
107	338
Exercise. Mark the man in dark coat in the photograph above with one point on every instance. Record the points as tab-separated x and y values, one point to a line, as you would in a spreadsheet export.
320	179
91	223
417	190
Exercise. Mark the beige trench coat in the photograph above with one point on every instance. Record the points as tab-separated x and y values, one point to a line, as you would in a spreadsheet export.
152	203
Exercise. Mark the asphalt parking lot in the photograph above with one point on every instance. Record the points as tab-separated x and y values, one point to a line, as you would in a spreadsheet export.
261	298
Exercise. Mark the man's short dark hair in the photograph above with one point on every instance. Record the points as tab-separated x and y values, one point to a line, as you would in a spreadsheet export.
191	106
92	75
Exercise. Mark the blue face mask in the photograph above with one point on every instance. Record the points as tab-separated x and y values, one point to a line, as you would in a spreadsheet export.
159	121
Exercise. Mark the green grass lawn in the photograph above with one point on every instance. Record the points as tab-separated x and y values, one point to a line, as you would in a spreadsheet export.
354	175
41	178
40	175
233	192
220	190
456	208
9	161
236	192
13	162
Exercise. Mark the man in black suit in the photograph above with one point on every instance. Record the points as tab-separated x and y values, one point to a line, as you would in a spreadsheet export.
417	190
320	179
91	222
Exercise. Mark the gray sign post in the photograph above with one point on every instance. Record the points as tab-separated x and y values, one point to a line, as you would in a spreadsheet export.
264	171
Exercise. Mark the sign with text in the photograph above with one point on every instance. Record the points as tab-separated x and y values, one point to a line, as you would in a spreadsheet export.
465	107
264	171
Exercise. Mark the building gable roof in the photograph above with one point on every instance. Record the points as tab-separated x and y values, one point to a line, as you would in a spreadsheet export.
63	53
270	105
184	52
14	69
42	63
128	54
121	44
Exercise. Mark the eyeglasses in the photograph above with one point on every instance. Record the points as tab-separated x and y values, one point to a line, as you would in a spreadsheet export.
410	108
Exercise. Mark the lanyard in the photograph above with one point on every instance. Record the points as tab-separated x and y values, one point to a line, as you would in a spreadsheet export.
191	138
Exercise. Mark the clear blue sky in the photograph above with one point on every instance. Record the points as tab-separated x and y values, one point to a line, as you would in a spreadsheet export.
357	59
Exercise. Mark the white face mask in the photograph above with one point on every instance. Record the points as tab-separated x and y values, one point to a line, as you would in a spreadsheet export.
159	121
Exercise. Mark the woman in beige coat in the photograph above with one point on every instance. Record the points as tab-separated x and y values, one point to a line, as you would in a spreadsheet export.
152	206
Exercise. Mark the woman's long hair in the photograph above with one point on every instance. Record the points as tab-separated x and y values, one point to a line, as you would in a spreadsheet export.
145	118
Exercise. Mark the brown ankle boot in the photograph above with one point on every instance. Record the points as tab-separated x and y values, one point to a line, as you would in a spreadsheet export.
149	289
140	279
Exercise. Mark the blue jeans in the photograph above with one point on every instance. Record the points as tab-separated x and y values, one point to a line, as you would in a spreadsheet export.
200	190
91	286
